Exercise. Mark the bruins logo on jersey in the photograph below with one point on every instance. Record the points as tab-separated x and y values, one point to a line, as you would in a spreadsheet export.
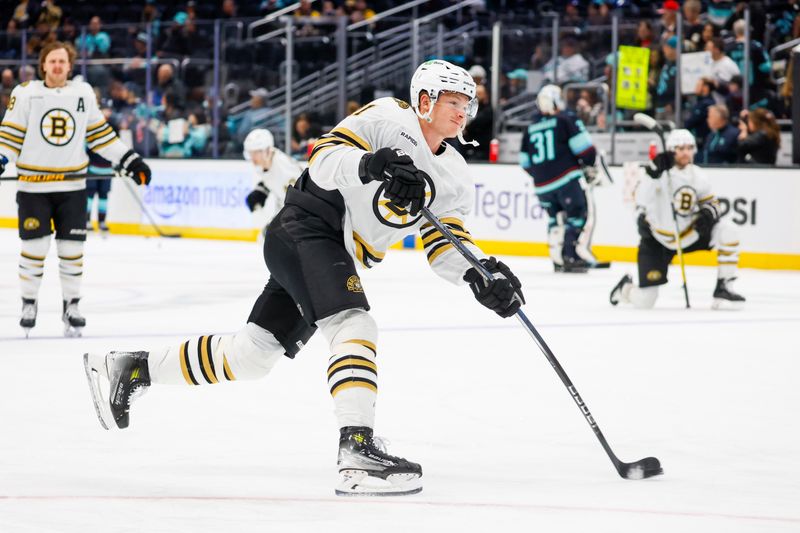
394	216
402	103
57	127
31	224
354	284
684	200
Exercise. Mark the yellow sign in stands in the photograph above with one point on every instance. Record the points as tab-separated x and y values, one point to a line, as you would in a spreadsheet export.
634	62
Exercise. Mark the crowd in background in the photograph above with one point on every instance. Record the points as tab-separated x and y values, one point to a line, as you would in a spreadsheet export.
176	120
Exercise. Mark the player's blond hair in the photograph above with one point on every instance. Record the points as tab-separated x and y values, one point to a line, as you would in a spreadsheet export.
55	45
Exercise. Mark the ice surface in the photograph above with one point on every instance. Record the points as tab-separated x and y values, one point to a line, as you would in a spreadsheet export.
713	395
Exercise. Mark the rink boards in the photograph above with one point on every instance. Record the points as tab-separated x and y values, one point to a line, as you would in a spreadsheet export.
205	199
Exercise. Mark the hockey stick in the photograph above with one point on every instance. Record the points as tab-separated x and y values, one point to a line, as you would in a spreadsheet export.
602	161
156	227
647	467
42	178
650	123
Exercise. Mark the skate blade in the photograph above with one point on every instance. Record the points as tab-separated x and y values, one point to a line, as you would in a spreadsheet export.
360	483
94	364
721	304
72	332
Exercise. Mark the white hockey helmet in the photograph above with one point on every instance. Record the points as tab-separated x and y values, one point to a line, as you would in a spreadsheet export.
258	139
549	98
435	76
680	138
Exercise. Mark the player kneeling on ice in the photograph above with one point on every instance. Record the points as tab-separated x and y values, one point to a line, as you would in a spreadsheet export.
698	223
275	173
366	183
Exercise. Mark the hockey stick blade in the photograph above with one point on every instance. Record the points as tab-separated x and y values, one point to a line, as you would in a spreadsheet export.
642	469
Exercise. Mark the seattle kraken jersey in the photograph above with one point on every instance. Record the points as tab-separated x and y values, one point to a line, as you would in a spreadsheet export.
371	222
553	149
690	191
47	130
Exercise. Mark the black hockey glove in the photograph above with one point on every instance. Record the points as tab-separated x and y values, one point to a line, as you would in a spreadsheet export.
257	197
660	163
643	227
503	294
705	220
135	168
3	161
405	183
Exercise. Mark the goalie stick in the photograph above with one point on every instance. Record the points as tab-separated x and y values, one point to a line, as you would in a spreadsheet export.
651	124
643	468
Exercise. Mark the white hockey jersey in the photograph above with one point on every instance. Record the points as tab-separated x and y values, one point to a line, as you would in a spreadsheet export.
690	191
47	130
282	174
371	222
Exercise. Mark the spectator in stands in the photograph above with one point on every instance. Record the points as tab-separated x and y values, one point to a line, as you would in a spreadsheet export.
480	128
254	117
229	9
645	36
541	55
26	73
760	66
669	18
42	36
478	74
697	122
664	99
734	99
722	142
304	133
22	13
572	66
7	81
69	31
759	137
572	15
184	137
723	68
709	33
590	109
11	41
151	15
96	42
167	82
50	14
178	41
719	11
692	26
758	19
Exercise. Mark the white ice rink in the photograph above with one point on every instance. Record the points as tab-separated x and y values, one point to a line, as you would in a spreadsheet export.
713	395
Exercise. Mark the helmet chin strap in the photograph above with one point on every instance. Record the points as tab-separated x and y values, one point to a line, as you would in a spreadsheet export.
463	141
426	117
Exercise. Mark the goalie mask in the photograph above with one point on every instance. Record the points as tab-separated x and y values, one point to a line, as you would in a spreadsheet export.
258	139
549	99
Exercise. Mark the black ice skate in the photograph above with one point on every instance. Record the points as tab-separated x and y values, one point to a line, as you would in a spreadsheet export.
616	293
574	266
725	297
28	319
128	378
367	470
72	318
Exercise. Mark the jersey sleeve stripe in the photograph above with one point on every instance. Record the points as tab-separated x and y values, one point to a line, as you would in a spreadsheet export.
97	147
12	148
11	137
96	125
54	170
348	135
17	127
320	146
105	131
580	143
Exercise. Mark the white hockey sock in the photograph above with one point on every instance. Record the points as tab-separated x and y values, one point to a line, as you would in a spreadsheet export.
352	369
728	259
250	353
641	297
70	267
31	265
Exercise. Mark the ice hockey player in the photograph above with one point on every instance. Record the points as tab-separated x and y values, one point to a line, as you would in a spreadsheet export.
699	226
47	127
559	155
275	173
367	180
